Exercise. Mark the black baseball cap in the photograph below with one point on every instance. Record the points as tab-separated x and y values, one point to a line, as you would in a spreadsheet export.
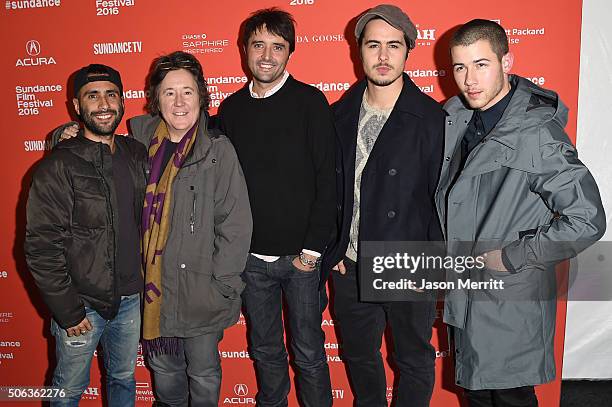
95	73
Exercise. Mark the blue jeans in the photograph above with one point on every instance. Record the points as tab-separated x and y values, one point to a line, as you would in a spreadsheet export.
265	285
193	377
119	338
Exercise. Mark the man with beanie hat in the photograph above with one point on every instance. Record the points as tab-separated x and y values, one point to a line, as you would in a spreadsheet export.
388	159
82	242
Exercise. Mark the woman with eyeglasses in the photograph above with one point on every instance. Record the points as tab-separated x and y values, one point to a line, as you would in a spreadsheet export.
196	229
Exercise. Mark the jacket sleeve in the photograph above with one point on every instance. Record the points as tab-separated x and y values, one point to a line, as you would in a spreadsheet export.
55	134
138	128
433	172
233	222
321	136
569	190
48	214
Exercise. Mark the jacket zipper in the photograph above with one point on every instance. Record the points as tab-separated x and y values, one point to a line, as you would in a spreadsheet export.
111	220
193	210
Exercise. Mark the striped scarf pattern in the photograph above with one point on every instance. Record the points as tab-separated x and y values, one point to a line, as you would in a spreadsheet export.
155	227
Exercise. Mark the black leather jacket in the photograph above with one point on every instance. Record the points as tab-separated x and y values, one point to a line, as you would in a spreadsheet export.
71	237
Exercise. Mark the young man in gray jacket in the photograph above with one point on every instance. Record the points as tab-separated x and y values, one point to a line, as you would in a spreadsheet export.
513	189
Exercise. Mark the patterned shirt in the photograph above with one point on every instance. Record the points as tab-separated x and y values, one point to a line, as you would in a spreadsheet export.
371	122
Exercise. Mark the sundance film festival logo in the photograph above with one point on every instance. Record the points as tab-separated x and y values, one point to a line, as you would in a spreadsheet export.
8	355
241	396
34	49
31	99
111	7
27	4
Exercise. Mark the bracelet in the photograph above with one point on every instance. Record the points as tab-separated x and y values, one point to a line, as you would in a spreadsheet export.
307	262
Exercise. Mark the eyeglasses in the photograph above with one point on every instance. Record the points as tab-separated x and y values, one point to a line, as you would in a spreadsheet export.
170	65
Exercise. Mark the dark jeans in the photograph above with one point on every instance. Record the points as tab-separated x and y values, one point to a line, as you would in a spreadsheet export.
262	298
362	326
516	397
192	377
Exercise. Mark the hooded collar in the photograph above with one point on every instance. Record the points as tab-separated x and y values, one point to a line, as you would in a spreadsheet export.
516	141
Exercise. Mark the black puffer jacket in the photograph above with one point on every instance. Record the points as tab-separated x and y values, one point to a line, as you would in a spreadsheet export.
71	237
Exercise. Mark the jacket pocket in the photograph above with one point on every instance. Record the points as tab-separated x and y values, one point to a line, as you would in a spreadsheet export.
89	202
205	301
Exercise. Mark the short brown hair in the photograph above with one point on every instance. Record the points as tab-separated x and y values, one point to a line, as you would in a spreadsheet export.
172	62
275	21
480	29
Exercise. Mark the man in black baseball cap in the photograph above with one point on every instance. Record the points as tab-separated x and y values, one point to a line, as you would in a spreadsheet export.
93	84
95	73
391	142
82	242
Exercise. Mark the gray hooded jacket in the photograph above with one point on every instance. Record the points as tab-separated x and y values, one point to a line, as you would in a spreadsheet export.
522	190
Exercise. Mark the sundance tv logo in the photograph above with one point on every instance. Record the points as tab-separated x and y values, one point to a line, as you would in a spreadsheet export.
34	49
241	396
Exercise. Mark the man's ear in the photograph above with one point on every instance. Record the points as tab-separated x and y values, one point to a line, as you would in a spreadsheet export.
77	109
507	62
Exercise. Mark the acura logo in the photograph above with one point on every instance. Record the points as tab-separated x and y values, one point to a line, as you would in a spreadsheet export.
241	389
33	48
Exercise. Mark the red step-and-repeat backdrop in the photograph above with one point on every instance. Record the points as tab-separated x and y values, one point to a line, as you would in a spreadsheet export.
45	41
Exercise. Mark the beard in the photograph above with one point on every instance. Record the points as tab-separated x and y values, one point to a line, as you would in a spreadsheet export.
381	81
102	130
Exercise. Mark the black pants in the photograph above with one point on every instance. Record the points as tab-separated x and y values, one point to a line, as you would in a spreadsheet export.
362	326
516	397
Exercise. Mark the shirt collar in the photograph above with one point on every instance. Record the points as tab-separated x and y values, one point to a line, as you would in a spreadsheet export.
492	115
270	91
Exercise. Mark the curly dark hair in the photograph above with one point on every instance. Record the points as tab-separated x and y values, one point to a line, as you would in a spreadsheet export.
171	62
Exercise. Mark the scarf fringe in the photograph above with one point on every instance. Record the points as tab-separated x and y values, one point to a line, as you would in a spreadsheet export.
162	346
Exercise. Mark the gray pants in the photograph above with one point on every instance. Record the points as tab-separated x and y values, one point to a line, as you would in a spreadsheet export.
194	375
